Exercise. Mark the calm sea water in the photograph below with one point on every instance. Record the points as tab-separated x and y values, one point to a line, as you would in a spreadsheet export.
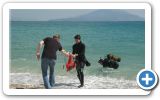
124	39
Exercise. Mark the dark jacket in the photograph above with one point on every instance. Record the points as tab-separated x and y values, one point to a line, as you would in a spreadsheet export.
80	50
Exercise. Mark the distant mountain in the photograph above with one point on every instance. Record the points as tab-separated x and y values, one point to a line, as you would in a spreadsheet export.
105	15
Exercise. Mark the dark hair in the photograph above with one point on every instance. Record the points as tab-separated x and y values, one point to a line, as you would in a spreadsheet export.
77	36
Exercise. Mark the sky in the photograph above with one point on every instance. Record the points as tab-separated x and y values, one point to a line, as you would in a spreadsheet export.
51	14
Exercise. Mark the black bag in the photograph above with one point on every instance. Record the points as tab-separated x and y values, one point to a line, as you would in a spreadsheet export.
87	63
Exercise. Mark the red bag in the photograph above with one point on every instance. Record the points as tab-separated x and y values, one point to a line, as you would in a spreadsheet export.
70	63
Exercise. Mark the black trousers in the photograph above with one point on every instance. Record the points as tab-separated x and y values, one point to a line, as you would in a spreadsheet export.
80	75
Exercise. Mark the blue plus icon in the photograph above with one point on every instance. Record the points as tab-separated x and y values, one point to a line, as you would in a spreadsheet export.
147	79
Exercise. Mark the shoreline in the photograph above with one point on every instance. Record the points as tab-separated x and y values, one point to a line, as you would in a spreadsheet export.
31	81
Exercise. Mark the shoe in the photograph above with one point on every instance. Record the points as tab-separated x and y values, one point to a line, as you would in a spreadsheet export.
52	85
80	86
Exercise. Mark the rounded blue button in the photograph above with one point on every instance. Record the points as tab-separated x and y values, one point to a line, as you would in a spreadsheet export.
147	79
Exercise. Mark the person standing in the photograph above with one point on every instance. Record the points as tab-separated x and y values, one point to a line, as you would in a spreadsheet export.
79	55
48	58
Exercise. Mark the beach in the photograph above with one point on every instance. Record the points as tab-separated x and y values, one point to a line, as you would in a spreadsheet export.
31	81
124	39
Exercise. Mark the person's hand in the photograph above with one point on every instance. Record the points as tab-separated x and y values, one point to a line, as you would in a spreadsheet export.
38	56
67	54
74	55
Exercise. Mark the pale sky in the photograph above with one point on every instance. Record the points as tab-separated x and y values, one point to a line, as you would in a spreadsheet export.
43	15
51	14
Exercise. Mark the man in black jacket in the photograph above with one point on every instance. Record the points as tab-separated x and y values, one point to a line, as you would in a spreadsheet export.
79	54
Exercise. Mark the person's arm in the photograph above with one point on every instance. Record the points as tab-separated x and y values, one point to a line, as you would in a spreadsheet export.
73	52
65	53
40	44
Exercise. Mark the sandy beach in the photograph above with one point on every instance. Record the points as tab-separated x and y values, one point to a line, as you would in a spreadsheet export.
31	81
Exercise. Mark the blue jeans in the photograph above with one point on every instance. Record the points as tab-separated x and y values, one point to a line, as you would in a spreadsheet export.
45	62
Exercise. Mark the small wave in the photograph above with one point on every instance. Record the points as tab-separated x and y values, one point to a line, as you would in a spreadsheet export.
68	82
24	78
19	59
109	70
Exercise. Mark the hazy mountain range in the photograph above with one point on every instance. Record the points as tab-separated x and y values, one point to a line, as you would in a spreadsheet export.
105	15
78	15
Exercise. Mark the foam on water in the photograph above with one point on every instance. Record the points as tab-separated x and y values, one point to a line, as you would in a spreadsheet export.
71	82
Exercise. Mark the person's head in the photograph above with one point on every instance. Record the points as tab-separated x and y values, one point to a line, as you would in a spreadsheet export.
110	56
56	37
77	38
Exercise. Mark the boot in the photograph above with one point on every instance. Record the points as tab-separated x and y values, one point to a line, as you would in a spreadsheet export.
81	81
79	77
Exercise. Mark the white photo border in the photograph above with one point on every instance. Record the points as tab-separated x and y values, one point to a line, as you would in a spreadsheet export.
6	50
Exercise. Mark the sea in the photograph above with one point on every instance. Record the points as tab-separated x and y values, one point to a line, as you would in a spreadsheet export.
125	39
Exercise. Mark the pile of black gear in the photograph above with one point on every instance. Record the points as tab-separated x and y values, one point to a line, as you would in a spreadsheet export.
110	61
